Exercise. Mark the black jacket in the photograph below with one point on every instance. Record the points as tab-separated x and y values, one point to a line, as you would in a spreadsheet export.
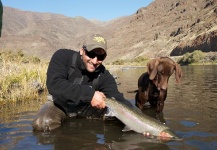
70	96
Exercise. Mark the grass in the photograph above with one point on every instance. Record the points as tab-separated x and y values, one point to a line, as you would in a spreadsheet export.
138	61
21	77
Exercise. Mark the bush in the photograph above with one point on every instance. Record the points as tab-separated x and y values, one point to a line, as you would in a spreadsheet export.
139	59
118	62
195	57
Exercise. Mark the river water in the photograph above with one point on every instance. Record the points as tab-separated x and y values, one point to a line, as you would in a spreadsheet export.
190	111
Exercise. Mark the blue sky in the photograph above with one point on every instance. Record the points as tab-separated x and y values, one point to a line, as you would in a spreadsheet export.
103	10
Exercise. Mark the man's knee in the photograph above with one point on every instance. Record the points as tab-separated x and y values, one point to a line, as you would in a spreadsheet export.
42	123
49	117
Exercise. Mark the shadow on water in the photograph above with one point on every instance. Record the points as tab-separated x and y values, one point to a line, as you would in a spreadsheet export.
97	135
190	111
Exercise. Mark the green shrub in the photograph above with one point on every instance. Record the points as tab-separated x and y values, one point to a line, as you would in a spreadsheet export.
195	57
139	59
118	62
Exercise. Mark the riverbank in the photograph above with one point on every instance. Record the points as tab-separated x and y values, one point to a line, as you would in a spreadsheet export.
23	78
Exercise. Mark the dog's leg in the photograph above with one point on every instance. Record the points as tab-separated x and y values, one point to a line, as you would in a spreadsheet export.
160	117
138	101
160	106
162	98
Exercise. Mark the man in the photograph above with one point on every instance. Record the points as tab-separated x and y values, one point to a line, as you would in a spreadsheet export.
79	89
1	15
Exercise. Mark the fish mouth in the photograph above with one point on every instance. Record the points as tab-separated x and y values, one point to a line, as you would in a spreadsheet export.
168	135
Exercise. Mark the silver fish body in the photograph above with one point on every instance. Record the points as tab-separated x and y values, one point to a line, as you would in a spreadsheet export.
138	121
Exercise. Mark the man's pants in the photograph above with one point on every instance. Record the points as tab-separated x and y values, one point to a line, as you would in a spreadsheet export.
50	116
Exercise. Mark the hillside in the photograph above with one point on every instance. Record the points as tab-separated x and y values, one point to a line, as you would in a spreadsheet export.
168	27
164	28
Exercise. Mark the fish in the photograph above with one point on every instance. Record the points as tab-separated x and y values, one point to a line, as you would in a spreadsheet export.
136	120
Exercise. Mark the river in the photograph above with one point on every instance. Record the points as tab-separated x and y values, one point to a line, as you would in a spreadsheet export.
190	111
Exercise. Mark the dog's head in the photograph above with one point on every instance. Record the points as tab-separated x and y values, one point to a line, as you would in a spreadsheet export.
160	70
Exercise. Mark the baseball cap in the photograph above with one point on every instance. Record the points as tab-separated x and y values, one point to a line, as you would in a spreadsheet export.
95	41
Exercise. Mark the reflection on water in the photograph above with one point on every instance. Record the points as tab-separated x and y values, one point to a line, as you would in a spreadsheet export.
90	134
190	110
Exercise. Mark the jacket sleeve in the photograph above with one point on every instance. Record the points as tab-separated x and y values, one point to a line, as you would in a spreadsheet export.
109	87
57	82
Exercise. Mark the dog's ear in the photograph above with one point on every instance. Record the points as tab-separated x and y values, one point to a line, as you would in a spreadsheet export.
152	68
178	72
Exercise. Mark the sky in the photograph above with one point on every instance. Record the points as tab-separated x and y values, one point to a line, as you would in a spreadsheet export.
103	10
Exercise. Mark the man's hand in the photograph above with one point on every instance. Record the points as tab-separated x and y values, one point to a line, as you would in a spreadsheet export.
98	100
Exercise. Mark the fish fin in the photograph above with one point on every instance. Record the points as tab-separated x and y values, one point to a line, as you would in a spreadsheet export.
126	128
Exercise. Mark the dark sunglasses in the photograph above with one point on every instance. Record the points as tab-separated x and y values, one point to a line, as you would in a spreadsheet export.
92	55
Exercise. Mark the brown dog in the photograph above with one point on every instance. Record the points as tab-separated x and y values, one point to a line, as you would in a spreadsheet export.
152	85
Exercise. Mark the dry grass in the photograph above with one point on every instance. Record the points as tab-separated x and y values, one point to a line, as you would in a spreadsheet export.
21	77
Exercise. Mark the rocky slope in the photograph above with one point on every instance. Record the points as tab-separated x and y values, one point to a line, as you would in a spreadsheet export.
164	28
168	27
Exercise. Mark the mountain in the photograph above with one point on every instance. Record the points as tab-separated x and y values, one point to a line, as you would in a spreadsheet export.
164	28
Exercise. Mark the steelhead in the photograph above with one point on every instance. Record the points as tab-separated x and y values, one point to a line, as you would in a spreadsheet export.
137	121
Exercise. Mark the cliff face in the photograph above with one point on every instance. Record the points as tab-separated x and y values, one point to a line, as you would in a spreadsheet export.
168	28
203	31
206	42
164	28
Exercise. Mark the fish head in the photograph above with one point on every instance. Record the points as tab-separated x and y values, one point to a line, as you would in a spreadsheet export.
168	135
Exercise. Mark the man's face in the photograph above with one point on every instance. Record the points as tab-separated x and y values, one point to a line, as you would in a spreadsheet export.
93	59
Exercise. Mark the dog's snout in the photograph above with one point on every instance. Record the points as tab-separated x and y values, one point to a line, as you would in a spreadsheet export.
162	87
